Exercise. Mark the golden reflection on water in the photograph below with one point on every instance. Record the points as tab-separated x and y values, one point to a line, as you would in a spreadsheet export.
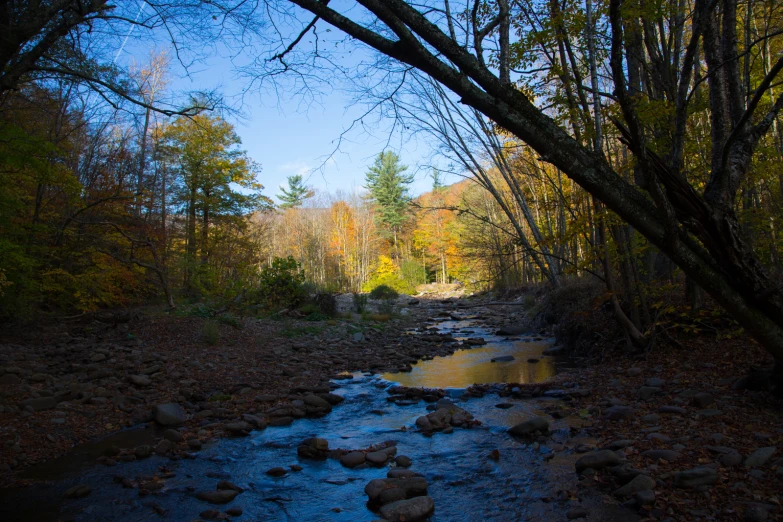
474	366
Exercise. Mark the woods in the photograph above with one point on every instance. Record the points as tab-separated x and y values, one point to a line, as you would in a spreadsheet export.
608	139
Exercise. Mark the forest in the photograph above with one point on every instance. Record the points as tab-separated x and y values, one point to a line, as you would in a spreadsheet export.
644	155
566	235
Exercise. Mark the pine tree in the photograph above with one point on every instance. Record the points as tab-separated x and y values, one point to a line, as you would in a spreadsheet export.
296	194
388	188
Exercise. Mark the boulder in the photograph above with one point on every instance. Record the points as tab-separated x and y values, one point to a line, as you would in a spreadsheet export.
597	460
170	414
218	496
695	477
410	510
529	427
639	483
352	459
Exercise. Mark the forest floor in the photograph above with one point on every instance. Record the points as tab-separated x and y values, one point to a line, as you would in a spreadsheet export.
675	418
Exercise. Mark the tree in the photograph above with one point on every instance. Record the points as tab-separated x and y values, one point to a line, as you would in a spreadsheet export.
296	194
204	151
388	188
696	228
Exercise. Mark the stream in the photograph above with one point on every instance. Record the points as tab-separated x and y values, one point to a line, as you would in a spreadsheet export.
464	482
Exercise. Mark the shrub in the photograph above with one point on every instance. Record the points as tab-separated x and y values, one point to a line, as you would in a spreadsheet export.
281	283
384	292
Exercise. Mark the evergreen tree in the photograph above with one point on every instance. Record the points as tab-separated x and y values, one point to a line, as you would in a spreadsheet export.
296	194
388	187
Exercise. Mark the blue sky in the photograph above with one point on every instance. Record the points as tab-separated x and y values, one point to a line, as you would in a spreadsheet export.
287	136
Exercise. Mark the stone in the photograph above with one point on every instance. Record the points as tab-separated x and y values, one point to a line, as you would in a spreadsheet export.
709	413
646	392
238	428
502	358
645	497
170	414
255	421
98	357
702	400
140	380
163	447
729	460
219	496
695	477
78	491
352	459
597	460
234	512
10	379
529	427
40	403
511	330
654	382
225	484
639	483
276	472
633	372
313	448
760	457
143	451
378	489
317	402
618	412
576	513
377	458
655	454
403	461
173	435
651	418
672	409
626	472
410	510
209	514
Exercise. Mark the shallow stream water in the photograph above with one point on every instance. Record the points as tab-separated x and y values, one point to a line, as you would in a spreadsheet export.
465	483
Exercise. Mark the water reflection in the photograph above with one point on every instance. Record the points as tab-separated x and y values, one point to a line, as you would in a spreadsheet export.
474	366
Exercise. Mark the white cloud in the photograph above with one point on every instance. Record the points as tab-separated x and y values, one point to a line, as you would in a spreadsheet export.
295	167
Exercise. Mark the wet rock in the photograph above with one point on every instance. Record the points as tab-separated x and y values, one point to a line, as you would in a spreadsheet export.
170	414
332	398
220	496
576	513
234	512
597	460
226	485
313	448
413	509
380	490
403	461
377	458
317	402
695	477
276	472
280	421
511	330
401	473
78	491
639	483
529	427
655	454
502	358
760	457
255	421
447	414
40	403
353	459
